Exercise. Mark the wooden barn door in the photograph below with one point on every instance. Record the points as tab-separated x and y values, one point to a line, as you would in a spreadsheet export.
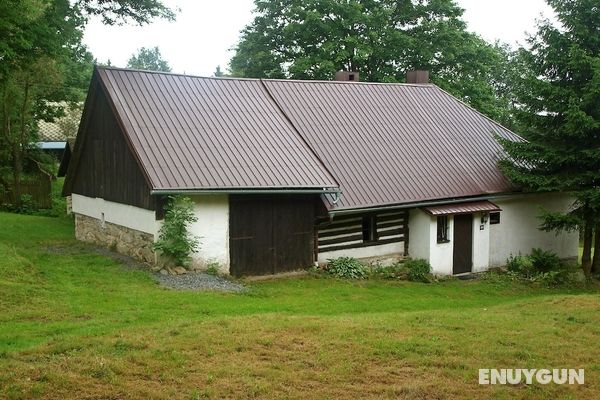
463	244
270	234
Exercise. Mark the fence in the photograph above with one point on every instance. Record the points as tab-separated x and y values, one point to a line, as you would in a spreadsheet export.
39	188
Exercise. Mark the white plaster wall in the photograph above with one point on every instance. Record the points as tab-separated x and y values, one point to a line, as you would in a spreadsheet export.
212	228
364	252
419	225
481	243
441	254
423	242
120	214
492	245
517	231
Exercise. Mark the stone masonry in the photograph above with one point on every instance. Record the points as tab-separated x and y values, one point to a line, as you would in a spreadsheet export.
124	240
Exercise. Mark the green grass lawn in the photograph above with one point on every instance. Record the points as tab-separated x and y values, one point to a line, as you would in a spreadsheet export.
74	324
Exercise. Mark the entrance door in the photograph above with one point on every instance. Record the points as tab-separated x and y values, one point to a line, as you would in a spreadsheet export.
270	234
463	244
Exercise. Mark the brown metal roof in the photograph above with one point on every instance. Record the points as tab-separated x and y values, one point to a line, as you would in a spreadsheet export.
395	143
382	144
192	133
462	208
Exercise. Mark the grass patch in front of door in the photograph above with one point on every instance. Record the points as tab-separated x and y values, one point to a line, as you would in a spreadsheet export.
74	324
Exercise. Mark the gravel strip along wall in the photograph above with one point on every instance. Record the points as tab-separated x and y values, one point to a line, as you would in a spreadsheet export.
198	281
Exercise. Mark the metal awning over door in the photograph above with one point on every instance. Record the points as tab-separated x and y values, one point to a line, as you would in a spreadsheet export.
462	208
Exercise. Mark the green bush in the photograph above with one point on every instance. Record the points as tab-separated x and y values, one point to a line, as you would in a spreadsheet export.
553	278
346	267
520	265
213	268
545	261
175	242
419	270
540	266
28	206
395	271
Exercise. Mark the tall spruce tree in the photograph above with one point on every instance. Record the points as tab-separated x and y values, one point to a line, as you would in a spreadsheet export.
559	93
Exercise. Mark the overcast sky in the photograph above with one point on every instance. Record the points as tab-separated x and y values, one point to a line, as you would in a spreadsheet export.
206	30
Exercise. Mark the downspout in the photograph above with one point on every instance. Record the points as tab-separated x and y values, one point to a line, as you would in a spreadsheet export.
336	198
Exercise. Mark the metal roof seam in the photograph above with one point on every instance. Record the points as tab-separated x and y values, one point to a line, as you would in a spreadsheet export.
189	137
192	99
149	106
128	107
152	88
296	130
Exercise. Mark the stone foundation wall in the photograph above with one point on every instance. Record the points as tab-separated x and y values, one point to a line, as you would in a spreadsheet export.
124	240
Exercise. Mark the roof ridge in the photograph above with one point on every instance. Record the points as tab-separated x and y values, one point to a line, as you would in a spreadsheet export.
239	78
104	67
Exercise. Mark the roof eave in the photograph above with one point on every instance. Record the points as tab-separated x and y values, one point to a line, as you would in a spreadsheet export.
425	203
237	190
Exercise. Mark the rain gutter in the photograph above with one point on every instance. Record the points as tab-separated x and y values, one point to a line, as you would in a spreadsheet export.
363	210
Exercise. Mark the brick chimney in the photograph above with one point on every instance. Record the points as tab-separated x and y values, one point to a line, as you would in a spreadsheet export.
347	76
417	77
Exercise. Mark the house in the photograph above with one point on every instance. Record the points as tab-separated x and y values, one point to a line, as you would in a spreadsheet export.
54	137
286	173
51	139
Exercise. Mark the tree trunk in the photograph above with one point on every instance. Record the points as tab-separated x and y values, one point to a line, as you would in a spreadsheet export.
596	262
17	171
586	258
20	144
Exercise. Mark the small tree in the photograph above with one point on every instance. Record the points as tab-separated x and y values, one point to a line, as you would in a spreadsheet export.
218	73
175	242
148	59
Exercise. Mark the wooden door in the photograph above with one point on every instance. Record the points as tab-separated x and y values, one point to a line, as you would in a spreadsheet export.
250	239
294	233
463	244
270	234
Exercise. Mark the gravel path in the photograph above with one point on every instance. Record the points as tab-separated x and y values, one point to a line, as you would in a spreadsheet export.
191	281
198	281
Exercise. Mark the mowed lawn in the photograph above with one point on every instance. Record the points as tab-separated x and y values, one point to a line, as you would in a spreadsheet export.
77	325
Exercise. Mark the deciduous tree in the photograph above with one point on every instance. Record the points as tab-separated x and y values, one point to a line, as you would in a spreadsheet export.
43	62
382	39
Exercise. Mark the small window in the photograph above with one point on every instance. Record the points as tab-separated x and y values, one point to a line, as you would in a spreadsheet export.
369	229
351	77
494	218
442	229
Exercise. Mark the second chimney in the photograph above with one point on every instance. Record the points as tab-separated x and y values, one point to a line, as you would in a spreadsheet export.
417	77
346	76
